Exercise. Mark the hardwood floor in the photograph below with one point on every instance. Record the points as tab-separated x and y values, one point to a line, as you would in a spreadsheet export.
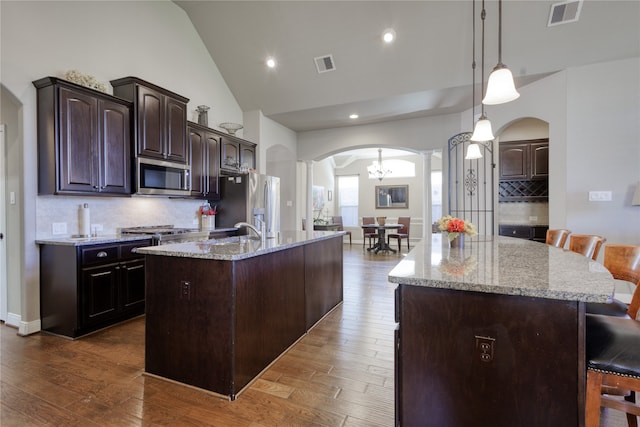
339	374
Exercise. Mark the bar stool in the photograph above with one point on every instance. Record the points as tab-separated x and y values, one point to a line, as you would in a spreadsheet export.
623	262
586	244
613	344
557	237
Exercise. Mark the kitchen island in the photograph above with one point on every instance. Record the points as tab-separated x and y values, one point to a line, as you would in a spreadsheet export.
218	312
493	334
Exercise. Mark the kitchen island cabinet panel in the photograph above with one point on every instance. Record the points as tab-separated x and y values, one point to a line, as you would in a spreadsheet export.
221	311
189	322
323	279
522	361
269	310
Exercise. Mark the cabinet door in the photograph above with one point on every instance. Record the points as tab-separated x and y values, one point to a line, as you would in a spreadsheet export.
229	154
98	294
176	148
77	137
247	156
114	143
514	161
150	123
539	160
213	167
132	286
198	170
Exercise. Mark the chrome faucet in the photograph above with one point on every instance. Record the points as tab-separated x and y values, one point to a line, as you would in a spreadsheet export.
250	226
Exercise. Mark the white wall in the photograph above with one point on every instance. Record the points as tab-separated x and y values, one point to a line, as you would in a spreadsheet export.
153	40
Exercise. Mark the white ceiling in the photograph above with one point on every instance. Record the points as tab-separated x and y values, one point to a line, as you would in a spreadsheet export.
427	71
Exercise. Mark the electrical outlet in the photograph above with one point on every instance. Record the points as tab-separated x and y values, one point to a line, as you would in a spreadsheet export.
533	218
58	228
185	290
485	348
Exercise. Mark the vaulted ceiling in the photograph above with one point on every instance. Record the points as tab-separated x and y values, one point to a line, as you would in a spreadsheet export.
426	71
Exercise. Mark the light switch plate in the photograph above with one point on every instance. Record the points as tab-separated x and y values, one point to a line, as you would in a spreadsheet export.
599	196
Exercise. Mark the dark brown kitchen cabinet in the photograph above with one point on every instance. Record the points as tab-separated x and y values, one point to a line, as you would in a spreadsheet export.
160	125
524	171
537	233
205	162
236	155
83	140
89	287
524	160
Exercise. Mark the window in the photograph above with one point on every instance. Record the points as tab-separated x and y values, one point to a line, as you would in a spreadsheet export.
348	199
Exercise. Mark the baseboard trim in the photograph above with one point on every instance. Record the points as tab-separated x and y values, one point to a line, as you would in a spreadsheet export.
24	328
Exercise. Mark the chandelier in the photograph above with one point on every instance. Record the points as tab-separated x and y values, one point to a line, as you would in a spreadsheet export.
376	170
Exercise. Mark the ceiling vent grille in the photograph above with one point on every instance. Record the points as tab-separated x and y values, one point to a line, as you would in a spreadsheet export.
563	13
325	63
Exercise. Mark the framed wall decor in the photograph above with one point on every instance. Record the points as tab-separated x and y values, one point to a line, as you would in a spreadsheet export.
392	196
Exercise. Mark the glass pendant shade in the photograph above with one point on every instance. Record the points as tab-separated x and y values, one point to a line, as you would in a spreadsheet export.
473	152
482	132
500	88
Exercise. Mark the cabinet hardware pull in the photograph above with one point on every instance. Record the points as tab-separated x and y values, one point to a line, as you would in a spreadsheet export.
101	254
514	231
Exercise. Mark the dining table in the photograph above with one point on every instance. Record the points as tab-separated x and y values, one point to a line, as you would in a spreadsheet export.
381	245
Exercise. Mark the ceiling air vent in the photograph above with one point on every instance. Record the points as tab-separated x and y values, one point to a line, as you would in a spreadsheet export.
325	63
563	13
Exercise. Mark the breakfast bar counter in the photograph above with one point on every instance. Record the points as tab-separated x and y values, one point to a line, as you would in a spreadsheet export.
494	331
218	312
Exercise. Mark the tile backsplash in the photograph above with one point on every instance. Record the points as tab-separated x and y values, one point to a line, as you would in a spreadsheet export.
523	213
113	213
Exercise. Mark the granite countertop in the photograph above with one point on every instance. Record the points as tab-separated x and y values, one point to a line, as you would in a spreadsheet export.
505	265
239	247
81	241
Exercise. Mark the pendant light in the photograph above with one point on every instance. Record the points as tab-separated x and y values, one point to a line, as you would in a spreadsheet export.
482	131
376	170
500	88
473	150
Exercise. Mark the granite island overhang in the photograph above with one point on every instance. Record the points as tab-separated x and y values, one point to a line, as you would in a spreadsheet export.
219	312
494	331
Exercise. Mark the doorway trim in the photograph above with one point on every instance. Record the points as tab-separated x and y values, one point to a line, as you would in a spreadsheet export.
3	227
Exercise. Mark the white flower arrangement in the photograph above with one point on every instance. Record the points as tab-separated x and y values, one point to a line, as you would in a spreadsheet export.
86	80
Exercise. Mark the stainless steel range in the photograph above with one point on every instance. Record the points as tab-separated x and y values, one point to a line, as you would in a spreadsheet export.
165	234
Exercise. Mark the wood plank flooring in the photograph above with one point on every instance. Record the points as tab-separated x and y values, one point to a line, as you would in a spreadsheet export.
340	374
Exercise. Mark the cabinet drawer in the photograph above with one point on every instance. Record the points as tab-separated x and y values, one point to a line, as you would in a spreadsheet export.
102	255
126	249
521	232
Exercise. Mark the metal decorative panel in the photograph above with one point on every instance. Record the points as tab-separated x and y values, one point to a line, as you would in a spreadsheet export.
471	186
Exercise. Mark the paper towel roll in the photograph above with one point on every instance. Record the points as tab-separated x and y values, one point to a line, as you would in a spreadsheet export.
84	221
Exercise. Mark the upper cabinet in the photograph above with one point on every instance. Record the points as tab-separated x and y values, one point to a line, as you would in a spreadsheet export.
236	155
524	171
524	160
205	162
160	125
83	140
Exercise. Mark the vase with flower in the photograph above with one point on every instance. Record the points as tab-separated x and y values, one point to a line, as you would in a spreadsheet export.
456	229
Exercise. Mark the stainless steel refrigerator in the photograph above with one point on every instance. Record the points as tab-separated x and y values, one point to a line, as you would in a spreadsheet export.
250	198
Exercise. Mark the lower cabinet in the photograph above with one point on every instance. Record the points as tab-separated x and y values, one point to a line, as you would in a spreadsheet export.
85	288
537	233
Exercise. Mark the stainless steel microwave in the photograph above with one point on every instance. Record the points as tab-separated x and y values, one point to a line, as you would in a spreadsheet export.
159	177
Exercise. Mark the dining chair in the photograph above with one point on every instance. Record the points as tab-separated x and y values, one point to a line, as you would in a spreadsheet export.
557	237
623	262
402	233
338	220
368	232
586	244
613	344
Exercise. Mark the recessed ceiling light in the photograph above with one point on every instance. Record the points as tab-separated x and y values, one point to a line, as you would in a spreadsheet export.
353	116
389	35
271	62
